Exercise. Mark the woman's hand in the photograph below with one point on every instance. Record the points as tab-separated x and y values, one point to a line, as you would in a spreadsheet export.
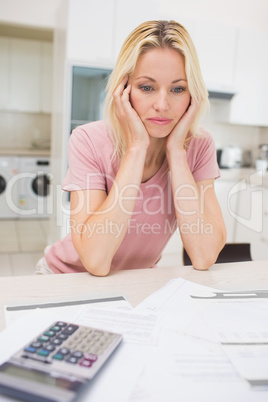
129	120
176	138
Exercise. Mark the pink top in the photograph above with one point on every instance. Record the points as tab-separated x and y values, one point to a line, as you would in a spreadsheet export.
153	221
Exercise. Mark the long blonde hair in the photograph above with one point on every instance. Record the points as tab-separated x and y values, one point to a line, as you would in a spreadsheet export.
147	36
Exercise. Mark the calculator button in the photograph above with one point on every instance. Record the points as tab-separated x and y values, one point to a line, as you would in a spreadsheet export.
86	363
70	329
56	342
43	352
77	354
50	348
43	338
58	356
64	351
72	360
55	328
30	349
62	336
61	324
36	345
90	356
49	333
83	347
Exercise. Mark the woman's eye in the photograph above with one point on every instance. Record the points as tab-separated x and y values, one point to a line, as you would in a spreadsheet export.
146	88
177	90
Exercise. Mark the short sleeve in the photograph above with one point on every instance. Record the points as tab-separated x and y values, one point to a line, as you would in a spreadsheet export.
84	171
202	157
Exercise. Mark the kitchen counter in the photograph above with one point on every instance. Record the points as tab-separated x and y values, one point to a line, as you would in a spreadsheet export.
24	152
251	175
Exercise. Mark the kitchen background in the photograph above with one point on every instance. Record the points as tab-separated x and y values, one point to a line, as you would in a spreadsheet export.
58	53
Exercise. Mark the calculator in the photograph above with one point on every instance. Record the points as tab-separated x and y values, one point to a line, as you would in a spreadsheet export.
57	364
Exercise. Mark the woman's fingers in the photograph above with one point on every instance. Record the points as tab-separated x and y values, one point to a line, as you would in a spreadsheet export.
129	120
121	99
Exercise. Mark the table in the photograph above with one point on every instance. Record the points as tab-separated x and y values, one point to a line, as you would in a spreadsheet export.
134	285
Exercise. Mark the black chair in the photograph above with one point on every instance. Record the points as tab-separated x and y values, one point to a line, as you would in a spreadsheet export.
231	252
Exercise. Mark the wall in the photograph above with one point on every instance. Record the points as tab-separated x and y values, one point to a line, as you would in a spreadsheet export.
39	13
239	13
247	137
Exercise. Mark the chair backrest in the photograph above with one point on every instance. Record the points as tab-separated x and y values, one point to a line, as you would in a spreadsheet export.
231	252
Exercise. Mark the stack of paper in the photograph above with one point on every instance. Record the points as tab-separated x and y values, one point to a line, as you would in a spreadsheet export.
184	342
212	347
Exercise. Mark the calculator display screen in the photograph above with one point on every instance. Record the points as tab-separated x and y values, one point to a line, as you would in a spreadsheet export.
39	377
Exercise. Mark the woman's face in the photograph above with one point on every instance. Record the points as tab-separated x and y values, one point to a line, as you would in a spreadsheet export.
159	90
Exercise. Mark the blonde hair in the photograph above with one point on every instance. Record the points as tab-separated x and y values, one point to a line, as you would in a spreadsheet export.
147	36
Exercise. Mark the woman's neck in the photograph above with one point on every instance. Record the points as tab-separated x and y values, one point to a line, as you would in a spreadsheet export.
154	159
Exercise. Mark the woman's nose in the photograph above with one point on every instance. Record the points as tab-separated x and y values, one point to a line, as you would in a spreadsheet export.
161	102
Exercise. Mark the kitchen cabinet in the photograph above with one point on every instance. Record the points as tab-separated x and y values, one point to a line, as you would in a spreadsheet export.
128	16
4	72
46	77
25	75
249	105
227	193
90	31
252	220
216	48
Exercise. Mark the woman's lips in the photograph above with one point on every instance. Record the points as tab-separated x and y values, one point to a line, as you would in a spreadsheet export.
159	120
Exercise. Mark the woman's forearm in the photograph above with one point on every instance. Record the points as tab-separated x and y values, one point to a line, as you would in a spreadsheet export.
104	230
198	214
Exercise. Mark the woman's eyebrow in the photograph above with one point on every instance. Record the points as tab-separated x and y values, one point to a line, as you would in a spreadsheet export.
153	80
180	79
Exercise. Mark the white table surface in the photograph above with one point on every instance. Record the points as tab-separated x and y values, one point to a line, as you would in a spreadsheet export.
134	285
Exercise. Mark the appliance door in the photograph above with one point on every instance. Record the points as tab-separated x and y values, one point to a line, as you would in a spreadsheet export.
8	193
34	195
40	185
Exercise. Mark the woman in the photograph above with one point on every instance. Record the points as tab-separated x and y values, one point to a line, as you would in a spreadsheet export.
147	169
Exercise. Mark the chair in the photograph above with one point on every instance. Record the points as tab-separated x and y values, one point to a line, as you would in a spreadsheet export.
231	252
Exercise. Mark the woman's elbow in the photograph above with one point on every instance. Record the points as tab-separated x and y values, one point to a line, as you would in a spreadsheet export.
203	264
93	261
97	267
204	260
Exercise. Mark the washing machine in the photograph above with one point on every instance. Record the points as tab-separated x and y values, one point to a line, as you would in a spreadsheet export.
8	192
34	187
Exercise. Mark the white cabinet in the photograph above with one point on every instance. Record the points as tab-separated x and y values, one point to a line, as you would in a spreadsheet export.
249	105
129	14
228	196
216	48
244	203
4	44
90	31
252	220
25	75
46	77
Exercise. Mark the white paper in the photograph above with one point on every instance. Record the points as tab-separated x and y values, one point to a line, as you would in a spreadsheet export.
242	330
136	326
187	369
69	308
192	365
250	361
